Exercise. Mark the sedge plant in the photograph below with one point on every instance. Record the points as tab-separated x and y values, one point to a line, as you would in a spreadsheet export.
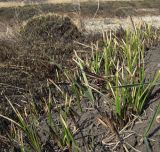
122	62
62	134
28	129
131	72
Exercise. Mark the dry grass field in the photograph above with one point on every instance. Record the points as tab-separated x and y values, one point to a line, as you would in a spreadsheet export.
13	4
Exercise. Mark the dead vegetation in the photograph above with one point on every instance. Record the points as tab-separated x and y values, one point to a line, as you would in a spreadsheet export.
50	34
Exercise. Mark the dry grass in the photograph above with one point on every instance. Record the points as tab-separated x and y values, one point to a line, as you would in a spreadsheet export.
76	1
11	4
14	4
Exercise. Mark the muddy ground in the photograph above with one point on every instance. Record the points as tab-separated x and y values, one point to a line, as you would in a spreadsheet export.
19	80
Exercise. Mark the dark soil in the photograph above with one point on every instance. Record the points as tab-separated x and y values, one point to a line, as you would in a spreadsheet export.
152	67
25	67
50	34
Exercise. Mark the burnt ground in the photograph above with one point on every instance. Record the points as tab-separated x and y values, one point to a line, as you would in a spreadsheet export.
152	66
23	81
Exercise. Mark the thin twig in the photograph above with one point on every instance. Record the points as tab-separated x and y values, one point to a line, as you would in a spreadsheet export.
97	9
4	84
132	147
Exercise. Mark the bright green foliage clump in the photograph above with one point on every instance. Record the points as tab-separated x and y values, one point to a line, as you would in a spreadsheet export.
121	64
